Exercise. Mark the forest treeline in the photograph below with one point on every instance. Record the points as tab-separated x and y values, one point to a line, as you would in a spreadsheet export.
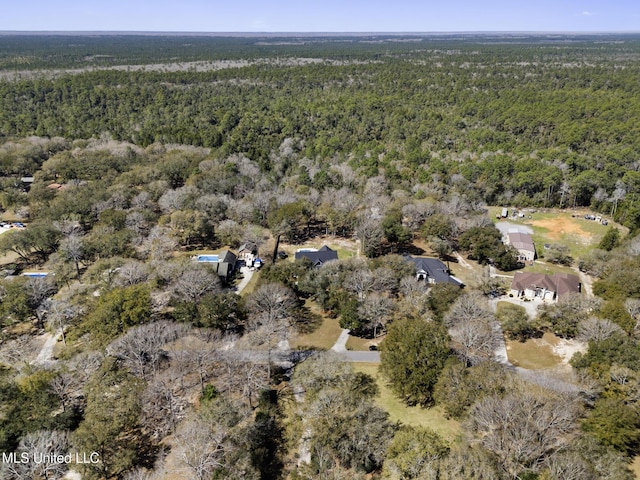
540	124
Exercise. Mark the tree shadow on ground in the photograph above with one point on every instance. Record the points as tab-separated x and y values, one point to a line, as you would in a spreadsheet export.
306	321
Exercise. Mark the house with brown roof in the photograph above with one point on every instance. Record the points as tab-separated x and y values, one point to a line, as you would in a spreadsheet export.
524	244
545	287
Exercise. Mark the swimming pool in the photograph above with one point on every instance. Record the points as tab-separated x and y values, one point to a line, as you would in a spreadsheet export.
209	258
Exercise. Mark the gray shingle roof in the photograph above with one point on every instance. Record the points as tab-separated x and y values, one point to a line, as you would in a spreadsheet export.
433	268
320	257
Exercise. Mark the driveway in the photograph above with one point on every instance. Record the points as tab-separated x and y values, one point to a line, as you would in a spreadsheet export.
530	307
247	273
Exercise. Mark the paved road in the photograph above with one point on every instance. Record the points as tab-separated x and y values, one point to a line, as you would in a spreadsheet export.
362	357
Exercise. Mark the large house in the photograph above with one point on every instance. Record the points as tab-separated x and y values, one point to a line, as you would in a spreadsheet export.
524	244
317	257
545	287
432	270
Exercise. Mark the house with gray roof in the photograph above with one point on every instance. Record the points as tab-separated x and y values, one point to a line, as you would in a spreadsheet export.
317	257
432	270
224	263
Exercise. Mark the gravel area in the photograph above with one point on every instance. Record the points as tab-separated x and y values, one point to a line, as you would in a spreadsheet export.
506	227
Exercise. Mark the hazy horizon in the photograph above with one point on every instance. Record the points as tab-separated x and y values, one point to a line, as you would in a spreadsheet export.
331	16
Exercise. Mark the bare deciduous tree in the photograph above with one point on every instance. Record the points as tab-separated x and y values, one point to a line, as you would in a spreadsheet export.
72	248
472	327
138	224
271	301
361	281
160	244
524	428
195	282
569	466
369	232
162	406
36	445
597	329
39	290
199	450
376	311
141	349
66	387
132	273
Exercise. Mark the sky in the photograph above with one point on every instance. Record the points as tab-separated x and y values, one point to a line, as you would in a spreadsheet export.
321	15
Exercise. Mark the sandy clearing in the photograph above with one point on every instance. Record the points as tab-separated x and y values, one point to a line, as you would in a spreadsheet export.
565	349
557	227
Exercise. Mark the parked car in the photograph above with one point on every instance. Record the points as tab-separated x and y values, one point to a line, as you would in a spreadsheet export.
373	348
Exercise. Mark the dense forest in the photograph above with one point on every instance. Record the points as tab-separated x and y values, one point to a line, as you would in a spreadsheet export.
123	157
542	123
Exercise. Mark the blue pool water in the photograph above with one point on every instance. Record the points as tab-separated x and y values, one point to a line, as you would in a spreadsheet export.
208	258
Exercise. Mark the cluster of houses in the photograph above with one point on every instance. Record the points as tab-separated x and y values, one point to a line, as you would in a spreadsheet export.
431	270
537	285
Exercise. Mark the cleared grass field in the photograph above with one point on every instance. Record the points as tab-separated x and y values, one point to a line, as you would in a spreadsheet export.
345	248
432	418
562	227
322	332
535	353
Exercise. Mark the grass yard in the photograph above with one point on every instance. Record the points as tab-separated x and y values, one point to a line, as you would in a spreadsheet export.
345	248
548	268
8	258
323	333
432	418
362	344
192	253
535	353
635	467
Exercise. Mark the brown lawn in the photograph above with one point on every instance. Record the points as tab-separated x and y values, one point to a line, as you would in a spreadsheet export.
559	226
